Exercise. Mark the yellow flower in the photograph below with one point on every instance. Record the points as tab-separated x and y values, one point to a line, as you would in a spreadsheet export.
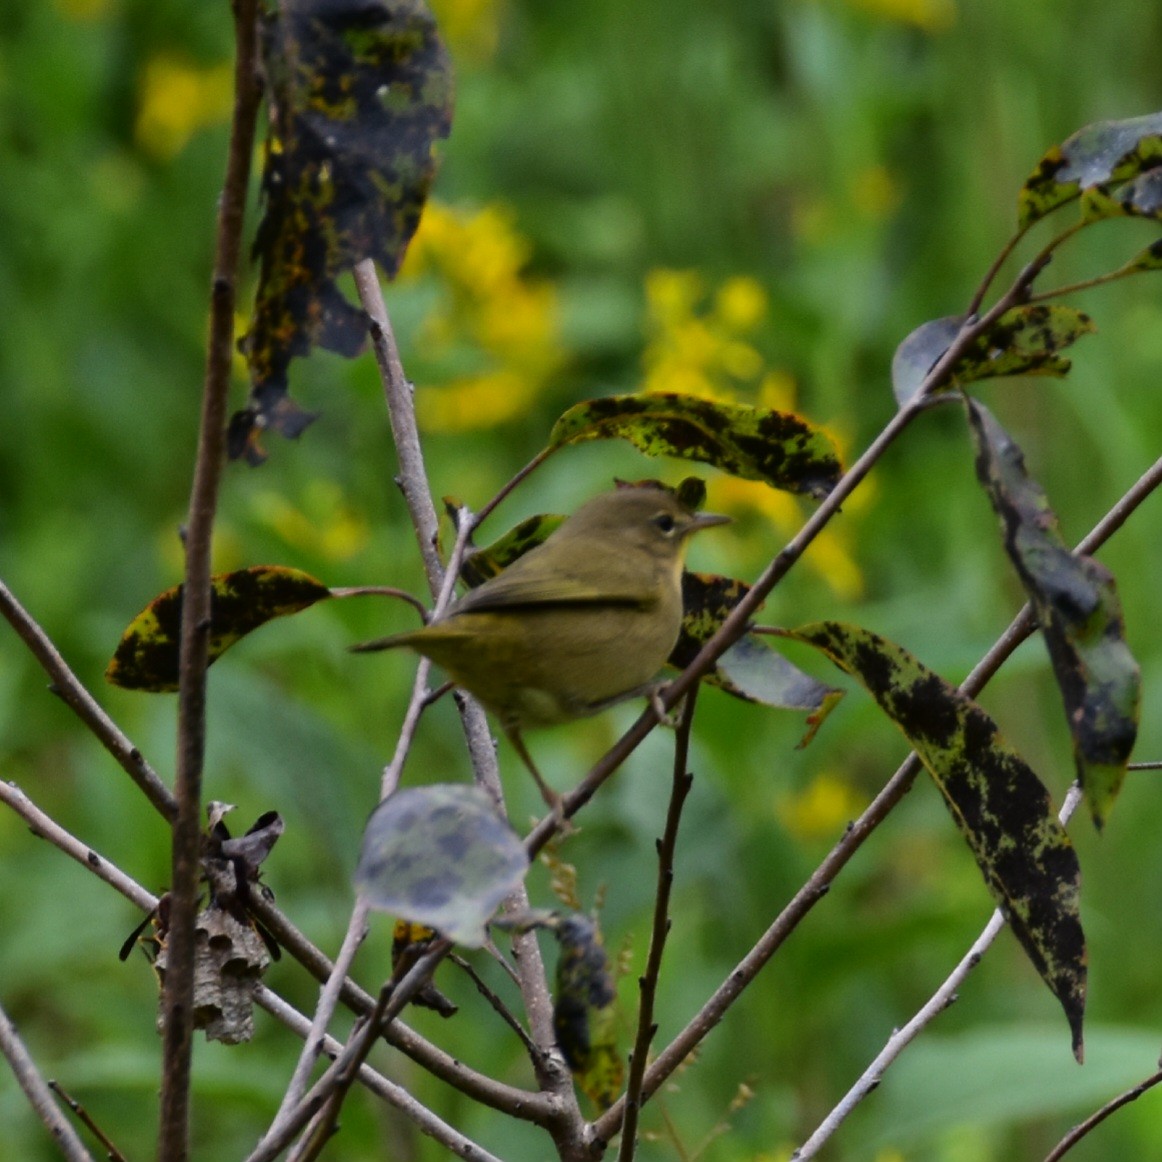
932	16
324	524
741	303
470	27
176	99
486	308
821	809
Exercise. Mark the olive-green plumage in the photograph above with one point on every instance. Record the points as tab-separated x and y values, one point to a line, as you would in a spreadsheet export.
580	622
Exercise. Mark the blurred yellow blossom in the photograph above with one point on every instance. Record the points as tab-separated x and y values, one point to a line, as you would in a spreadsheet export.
176	99
84	9
874	192
697	341
698	344
507	323
325	525
471	28
933	16
821	809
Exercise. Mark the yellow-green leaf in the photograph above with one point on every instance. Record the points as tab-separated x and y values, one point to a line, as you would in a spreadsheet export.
778	448
1001	807
146	658
1099	154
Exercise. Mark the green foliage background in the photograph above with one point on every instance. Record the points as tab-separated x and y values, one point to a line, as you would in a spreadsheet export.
859	161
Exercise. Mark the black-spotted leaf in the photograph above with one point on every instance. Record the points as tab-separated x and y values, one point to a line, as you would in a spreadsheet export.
483	564
441	856
1001	807
409	941
584	992
1080	615
359	93
1099	154
1148	259
1139	198
146	658
750	669
779	448
1025	340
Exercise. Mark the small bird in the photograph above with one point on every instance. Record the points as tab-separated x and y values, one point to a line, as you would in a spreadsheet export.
582	621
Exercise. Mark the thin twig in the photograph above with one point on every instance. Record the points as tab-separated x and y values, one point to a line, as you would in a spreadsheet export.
382	591
1095	1119
648	983
357	925
45	827
68	686
39	1095
177	1001
893	791
354	1053
515	1102
519	478
901	1038
551	1073
427	1122
499	1007
112	1154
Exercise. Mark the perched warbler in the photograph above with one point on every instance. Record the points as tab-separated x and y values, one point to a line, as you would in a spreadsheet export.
578	623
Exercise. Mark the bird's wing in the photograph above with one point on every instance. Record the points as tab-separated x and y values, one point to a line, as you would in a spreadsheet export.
514	589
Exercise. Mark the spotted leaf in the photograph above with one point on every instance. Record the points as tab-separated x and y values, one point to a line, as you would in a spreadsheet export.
1026	340
1080	615
359	92
1001	807
1101	153
146	658
781	449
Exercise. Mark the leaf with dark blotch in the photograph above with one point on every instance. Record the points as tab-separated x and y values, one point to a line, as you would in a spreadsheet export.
442	856
359	91
1139	198
1081	618
750	669
585	989
778	448
408	943
1148	259
1023	341
999	804
1099	154
483	564
147	655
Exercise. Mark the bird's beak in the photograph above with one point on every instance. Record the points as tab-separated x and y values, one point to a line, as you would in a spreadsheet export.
707	520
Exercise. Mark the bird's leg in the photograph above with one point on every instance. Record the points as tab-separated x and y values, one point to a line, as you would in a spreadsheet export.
665	717
553	799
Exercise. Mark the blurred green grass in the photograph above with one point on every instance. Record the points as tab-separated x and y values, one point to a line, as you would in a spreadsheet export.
860	163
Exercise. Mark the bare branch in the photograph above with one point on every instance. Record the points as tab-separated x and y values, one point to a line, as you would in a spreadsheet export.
44	826
1095	1119
177	1033
518	1103
112	1154
39	1095
550	1070
944	996
68	686
648	984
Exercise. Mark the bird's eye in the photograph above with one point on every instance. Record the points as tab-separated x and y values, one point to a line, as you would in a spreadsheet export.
665	522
